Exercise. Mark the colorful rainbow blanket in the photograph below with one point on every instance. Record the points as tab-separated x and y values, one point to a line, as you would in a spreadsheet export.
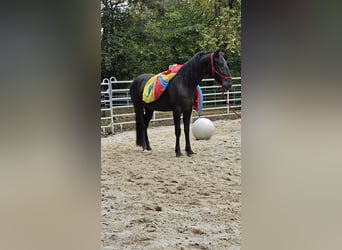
157	84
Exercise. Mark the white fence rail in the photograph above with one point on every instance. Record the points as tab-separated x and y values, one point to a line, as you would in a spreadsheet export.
117	108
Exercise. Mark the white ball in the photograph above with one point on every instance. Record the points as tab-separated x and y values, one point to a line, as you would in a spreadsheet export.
203	129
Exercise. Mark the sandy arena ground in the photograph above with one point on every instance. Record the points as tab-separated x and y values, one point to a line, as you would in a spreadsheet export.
153	200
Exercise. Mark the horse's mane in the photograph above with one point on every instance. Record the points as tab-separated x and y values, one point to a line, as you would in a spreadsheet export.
199	55
194	59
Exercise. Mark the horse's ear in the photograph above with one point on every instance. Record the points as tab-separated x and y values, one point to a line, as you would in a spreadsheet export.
219	52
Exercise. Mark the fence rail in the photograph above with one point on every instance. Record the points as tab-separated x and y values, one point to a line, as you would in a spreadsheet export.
117	108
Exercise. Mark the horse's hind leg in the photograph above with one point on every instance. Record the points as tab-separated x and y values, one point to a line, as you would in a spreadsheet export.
147	118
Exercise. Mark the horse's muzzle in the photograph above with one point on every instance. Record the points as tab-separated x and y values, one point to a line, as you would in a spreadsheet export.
227	84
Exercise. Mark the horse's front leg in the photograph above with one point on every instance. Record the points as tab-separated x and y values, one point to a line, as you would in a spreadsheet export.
176	120
186	121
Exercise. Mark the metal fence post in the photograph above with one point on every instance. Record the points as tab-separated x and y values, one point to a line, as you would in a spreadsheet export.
110	89
228	104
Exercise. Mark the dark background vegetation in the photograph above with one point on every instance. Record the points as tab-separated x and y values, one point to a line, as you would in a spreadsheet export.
140	36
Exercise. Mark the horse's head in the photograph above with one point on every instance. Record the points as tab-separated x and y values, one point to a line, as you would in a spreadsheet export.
220	70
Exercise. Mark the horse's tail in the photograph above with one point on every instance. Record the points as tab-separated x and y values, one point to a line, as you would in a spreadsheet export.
139	113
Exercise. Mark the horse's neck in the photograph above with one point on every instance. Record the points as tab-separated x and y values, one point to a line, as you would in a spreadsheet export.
195	71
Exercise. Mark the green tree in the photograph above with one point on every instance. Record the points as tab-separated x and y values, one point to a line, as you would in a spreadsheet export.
146	36
224	31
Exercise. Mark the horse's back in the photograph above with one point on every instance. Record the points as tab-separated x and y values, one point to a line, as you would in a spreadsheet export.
143	77
138	84
174	95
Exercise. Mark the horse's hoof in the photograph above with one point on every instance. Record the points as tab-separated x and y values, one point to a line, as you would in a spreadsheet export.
149	148
179	154
190	153
145	151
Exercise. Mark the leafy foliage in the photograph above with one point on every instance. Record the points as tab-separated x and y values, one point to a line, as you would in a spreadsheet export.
141	36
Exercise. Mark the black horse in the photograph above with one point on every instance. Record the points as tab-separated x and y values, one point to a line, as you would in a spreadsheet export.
179	96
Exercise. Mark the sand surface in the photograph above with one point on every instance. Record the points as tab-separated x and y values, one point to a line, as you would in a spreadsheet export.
153	200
